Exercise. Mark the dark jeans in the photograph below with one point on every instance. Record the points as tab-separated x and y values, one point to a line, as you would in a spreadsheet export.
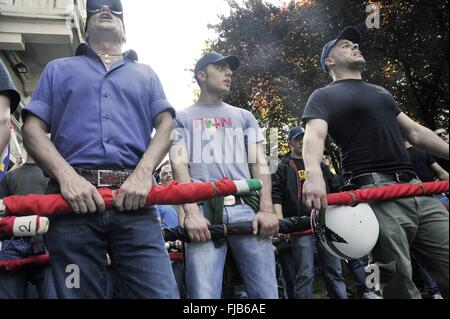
358	273
178	271
13	284
303	251
422	279
286	259
78	245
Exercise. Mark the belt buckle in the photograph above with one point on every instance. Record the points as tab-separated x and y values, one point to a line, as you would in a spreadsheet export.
230	200
99	178
377	178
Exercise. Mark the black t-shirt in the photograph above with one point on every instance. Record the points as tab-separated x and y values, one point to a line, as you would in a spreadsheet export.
7	88
285	188
422	164
27	179
362	120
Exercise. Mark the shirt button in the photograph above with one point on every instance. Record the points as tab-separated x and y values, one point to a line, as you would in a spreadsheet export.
107	116
106	95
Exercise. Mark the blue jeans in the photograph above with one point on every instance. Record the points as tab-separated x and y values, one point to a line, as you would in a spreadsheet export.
254	257
78	245
303	252
358	273
13	284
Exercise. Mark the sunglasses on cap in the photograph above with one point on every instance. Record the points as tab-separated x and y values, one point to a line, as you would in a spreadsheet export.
118	12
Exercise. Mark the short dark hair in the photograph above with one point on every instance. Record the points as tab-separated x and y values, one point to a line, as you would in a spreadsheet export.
196	75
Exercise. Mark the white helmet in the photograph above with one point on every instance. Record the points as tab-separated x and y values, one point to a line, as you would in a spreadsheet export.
346	232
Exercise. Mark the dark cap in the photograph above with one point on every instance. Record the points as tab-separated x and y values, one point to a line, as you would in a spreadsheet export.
215	58
296	132
7	87
349	33
93	5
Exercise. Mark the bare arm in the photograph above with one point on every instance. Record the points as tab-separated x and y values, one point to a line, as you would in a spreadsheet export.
422	137
5	111
81	195
134	192
278	210
194	223
441	173
265	222
314	189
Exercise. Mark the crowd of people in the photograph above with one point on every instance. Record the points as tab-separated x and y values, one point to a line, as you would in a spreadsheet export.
101	108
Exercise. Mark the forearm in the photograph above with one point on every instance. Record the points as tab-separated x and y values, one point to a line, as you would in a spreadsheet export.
180	170
261	171
44	152
427	140
5	133
313	148
440	173
278	210
158	148
443	176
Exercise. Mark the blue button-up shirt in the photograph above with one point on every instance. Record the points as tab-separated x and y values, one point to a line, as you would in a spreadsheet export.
99	118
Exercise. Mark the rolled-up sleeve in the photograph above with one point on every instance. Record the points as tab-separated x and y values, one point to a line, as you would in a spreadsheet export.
158	101
42	102
180	132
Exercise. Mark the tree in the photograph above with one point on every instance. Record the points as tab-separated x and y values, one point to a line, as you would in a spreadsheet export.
280	47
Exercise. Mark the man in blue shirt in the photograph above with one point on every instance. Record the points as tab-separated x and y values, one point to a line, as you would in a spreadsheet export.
101	108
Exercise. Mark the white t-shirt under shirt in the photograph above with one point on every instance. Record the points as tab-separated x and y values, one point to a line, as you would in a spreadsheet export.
216	137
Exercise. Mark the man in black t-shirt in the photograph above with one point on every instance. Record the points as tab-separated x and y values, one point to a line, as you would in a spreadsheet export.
297	260
369	128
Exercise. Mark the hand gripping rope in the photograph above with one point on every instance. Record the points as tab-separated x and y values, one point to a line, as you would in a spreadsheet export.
177	194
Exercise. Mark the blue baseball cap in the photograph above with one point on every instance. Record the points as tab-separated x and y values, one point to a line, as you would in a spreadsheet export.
215	58
296	132
349	33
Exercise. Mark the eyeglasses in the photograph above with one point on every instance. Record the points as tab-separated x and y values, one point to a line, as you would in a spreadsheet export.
98	9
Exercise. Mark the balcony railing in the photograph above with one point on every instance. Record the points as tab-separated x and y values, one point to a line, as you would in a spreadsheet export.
40	7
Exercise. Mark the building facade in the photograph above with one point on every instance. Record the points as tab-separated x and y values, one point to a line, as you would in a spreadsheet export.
32	33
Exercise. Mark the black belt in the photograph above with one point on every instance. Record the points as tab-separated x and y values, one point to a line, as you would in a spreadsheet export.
378	178
238	201
104	178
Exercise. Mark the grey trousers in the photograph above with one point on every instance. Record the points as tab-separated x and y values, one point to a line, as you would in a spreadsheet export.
418	226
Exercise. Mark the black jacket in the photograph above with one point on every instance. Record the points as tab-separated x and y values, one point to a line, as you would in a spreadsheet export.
285	188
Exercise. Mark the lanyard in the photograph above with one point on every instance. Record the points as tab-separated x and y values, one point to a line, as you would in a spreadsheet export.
300	178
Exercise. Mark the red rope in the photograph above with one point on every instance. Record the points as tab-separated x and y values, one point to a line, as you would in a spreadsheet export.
345	198
386	193
172	194
11	265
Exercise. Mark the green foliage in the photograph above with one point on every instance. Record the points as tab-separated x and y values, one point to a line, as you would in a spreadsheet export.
280	49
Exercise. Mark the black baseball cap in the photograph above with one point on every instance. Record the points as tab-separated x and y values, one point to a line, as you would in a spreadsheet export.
215	58
349	33
296	132
94	6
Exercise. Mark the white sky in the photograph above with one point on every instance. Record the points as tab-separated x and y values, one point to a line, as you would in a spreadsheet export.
170	35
